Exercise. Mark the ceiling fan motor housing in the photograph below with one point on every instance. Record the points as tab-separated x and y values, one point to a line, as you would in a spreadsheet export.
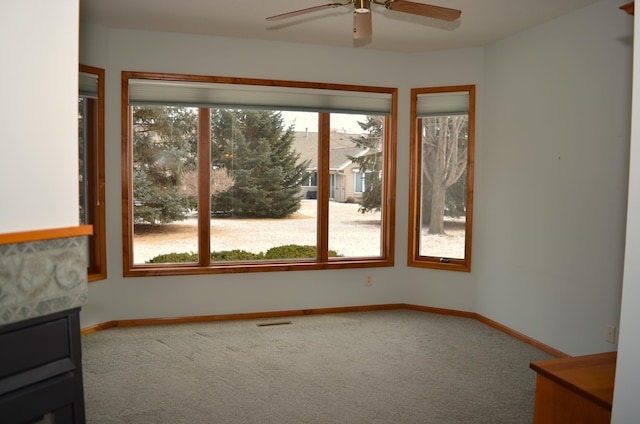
362	6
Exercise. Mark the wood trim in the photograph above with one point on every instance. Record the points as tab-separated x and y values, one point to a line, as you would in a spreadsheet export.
629	8
127	176
204	187
441	311
156	270
415	185
49	234
414	182
126	75
141	270
389	199
491	323
320	311
95	145
526	339
235	317
98	327
324	154
471	155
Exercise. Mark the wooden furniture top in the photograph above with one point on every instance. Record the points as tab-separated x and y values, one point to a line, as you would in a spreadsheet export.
592	376
629	8
38	235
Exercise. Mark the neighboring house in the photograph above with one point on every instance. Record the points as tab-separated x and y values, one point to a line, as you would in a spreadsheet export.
346	182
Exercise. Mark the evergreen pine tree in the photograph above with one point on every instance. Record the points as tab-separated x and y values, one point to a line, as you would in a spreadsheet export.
164	148
371	162
257	152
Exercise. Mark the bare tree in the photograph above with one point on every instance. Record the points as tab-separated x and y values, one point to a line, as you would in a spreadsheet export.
444	160
221	181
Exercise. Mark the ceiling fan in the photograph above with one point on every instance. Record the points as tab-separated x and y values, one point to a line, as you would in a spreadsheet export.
362	26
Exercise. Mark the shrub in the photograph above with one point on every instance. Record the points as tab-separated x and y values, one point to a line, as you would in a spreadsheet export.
289	251
173	258
293	251
235	255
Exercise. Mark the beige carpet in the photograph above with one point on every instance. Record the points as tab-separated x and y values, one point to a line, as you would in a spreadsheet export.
367	367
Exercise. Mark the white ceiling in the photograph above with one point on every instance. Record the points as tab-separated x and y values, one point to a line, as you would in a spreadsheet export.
482	21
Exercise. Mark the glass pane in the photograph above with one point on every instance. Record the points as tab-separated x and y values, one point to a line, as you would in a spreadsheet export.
85	137
263	199
355	191
165	184
83	151
444	152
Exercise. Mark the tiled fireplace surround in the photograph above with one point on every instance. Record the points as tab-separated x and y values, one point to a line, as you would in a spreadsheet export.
43	285
42	277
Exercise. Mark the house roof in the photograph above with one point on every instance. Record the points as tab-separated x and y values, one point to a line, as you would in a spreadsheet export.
342	146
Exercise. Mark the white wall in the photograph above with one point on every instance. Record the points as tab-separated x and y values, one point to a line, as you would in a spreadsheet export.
38	115
626	408
119	298
552	178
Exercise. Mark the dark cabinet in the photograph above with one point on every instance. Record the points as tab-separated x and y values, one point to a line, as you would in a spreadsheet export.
41	370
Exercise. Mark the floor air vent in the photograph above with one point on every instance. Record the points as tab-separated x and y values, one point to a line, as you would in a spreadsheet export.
271	324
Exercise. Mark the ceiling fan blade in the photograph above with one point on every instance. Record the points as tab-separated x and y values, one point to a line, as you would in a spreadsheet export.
428	10
362	25
304	11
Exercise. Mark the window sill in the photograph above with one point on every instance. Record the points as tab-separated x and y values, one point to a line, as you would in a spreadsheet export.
152	270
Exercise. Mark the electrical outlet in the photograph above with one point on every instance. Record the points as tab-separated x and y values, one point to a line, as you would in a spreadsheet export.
368	281
611	334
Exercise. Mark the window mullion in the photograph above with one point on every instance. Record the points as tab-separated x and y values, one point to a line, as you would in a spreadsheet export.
204	186
415	200
324	149
127	187
388	198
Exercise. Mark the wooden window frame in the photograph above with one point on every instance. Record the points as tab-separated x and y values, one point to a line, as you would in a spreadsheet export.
386	258
414	259
97	269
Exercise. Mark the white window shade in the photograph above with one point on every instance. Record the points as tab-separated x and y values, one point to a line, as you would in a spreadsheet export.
218	95
88	85
439	104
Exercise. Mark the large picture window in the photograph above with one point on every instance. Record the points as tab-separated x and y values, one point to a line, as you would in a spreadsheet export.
441	193
91	166
234	175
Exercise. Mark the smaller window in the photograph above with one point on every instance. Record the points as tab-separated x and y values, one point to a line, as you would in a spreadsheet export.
310	179
91	166
360	182
441	186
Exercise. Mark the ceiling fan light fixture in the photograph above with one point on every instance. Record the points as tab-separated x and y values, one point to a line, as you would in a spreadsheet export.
362	21
362	6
